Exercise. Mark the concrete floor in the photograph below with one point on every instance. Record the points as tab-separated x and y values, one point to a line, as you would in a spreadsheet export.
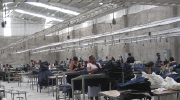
32	94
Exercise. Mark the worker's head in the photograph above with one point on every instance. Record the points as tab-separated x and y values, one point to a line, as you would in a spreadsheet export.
166	62
129	54
112	59
106	57
92	59
86	62
75	59
171	59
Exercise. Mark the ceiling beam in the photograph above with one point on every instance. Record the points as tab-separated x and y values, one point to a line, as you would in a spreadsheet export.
87	1
25	9
38	13
67	7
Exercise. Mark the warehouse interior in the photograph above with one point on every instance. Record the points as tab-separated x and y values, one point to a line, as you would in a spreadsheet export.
54	30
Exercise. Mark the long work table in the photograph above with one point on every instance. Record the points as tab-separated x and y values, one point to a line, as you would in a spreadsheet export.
114	94
83	77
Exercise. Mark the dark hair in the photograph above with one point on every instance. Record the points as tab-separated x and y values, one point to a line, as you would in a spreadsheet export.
66	58
75	58
86	62
113	59
158	58
95	61
129	54
90	57
166	62
171	59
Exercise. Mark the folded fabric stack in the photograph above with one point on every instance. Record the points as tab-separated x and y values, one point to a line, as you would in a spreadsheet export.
138	85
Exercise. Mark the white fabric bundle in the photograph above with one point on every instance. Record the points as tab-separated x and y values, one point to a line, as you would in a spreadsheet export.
156	80
171	84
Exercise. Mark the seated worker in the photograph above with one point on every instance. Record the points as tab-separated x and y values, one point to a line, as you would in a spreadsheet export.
75	65
112	59
165	68
158	62
172	62
166	64
93	67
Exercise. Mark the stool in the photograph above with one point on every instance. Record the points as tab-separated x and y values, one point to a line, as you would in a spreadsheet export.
61	88
3	90
20	92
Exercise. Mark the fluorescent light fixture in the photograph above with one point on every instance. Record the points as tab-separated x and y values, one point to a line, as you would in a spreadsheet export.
7	29
54	8
8	3
101	3
38	15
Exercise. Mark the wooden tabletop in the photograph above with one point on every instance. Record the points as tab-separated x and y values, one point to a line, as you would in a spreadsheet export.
165	92
2	89
113	93
53	77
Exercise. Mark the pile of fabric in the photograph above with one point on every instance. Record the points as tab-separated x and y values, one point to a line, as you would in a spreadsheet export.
138	85
128	72
112	70
156	80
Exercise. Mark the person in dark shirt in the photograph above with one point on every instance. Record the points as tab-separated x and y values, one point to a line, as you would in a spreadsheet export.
130	59
158	62
86	62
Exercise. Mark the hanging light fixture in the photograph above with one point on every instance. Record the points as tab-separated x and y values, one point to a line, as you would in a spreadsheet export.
160	39
68	37
113	20
143	42
166	38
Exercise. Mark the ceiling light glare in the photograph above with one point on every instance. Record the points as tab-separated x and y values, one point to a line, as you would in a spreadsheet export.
54	8
7	3
101	3
38	15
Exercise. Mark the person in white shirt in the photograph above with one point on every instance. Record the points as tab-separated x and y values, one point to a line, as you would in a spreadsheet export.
92	67
67	62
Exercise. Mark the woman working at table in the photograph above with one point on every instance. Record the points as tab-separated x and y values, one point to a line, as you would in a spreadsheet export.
75	65
93	67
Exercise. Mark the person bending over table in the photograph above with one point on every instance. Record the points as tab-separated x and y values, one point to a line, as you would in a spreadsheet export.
93	67
75	65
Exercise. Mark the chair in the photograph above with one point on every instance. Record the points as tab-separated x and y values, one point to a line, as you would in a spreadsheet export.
20	92
2	90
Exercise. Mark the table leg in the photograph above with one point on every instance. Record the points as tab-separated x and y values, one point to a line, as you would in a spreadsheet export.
32	83
83	88
63	77
72	82
158	97
13	96
25	96
48	86
57	87
109	85
99	96
52	87
8	78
